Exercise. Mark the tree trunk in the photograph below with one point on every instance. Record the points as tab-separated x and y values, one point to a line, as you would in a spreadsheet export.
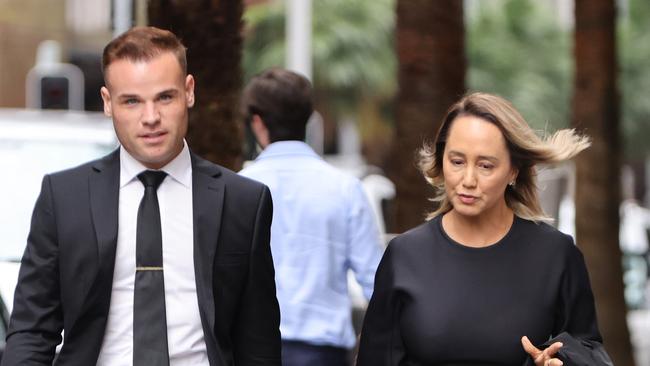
596	112
431	75
211	31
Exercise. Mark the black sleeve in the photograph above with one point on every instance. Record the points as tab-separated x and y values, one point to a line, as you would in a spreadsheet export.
381	340
576	325
576	311
257	337
36	320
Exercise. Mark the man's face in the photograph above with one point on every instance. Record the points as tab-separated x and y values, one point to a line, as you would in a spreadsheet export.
149	101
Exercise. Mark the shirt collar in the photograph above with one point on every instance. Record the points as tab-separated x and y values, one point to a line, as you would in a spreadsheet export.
180	168
291	147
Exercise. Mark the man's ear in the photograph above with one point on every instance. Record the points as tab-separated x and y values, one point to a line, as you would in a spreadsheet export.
260	131
189	90
106	97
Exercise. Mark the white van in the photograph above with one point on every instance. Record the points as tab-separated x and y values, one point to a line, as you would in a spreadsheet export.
32	144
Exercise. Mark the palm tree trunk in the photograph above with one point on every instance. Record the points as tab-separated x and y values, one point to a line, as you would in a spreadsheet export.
211	31
596	112
431	53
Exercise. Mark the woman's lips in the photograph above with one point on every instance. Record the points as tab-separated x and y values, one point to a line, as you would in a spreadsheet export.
467	199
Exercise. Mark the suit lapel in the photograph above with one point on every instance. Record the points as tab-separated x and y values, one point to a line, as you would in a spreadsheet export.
207	201
104	187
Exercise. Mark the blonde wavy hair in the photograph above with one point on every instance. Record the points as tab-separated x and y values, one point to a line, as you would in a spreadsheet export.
526	150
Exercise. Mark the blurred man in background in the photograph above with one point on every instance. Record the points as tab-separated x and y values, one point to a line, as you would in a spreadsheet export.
322	227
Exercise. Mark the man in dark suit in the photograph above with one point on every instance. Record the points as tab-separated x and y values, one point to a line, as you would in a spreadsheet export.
151	255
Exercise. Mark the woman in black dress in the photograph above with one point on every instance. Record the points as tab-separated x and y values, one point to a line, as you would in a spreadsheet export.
485	278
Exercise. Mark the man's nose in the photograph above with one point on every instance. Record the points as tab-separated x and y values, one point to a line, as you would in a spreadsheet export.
150	115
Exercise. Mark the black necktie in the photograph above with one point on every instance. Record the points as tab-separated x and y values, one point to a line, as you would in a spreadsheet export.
149	319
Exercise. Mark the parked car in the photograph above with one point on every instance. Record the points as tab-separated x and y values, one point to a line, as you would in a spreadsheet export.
4	323
32	144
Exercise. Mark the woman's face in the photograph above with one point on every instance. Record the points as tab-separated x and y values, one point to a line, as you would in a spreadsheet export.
476	167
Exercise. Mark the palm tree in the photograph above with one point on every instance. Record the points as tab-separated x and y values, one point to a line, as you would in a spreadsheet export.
351	46
635	79
517	50
352	54
211	31
596	111
431	76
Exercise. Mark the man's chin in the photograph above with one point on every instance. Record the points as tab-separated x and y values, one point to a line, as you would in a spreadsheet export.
154	161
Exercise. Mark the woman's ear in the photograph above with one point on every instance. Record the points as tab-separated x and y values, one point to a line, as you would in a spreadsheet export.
513	177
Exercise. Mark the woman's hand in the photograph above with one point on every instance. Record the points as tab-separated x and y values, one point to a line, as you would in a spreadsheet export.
545	357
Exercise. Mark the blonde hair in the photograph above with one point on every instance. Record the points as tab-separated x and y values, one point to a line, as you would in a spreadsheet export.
526	150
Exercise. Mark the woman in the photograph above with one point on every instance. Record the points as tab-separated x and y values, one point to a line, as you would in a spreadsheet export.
485	278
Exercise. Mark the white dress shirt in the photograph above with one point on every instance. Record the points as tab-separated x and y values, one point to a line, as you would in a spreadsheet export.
322	227
184	330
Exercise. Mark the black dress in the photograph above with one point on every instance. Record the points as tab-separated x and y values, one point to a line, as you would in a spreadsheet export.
437	302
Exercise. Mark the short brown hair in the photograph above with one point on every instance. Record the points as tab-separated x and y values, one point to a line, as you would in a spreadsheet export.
282	99
143	44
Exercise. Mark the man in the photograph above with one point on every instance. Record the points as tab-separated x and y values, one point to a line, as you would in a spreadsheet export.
322	224
151	255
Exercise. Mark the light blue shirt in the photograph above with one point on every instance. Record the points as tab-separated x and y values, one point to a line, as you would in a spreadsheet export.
322	226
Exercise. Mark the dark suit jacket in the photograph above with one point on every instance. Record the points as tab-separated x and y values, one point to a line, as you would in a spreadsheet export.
66	273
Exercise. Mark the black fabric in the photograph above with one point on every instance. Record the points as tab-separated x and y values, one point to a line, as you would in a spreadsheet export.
438	302
149	318
577	352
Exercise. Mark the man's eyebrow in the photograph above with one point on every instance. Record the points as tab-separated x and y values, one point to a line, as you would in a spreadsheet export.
168	91
171	91
128	96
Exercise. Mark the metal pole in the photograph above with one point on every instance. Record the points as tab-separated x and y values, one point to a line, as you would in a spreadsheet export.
299	36
298	33
122	16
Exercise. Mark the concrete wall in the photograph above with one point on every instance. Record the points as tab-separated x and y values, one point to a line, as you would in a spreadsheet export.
23	25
